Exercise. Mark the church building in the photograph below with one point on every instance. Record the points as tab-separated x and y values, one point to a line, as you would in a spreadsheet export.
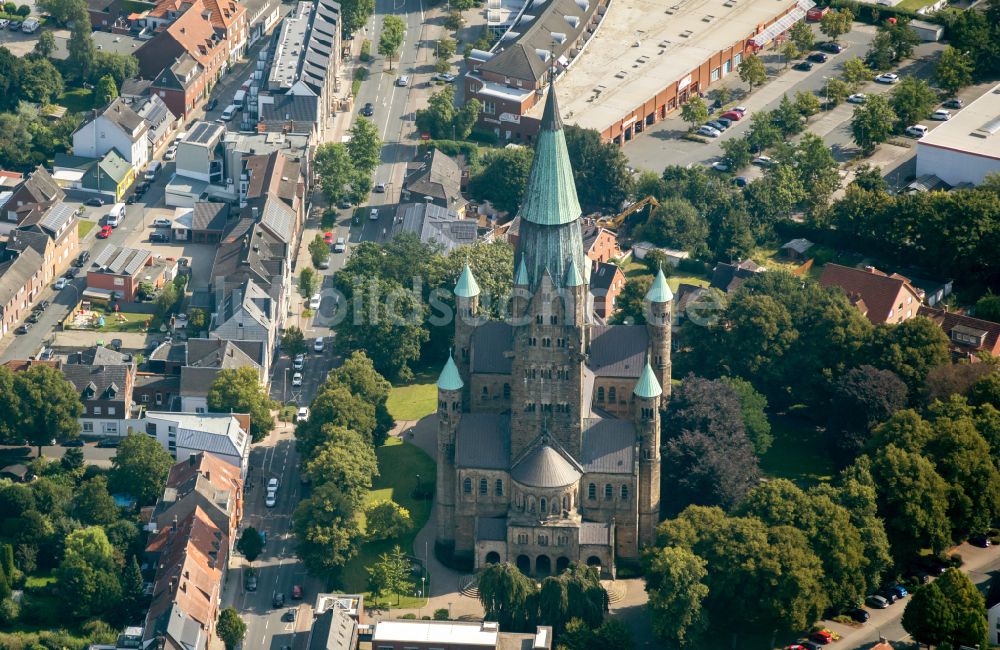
549	424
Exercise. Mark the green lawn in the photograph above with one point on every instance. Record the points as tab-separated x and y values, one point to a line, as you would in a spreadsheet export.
39	580
675	279
399	464
77	100
415	400
83	227
120	322
913	5
798	453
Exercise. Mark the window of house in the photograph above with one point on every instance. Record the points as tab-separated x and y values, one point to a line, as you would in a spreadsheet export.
486	393
489	108
737	59
111	410
543	505
499	488
144	398
199	409
506	391
97	410
522	538
110	427
612	394
608	492
592	492
539	319
467	486
565	503
600	393
727	66
554	319
88	427
624	493
483	486
543	540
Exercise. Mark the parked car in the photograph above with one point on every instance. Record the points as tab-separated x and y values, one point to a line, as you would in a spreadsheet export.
858	615
811	645
805	66
23	329
709	131
380	188
159	237
290	615
229	112
339	246
720	166
212	103
319	344
299	362
278	600
823	637
831	47
717	125
403	80
303	414
60	284
72	443
876	602
368	110
980	540
251	580
328	237
857	98
42	306
941	115
724	121
916	131
315	301
889	595
954	102
33	317
161	223
14	25
271	499
105	232
71	273
94	202
82	258
818	57
170	153
4	22
297	379
742	110
764	161
109	443
373	215
443	76
735	116
887	78
296	592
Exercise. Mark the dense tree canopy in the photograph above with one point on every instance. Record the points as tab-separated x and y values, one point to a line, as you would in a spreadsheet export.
140	468
502	177
862	398
239	391
949	610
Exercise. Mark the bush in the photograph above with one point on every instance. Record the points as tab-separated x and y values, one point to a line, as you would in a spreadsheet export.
9	611
9	8
441	614
366	51
329	219
425	618
409	617
484	136
844	619
955	560
454	148
24	11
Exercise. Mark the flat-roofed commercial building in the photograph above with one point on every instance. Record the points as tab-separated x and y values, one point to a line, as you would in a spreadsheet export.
621	66
967	147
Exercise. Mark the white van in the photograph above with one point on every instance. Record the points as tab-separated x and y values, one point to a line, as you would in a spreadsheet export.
116	215
239	97
152	169
228	113
29	25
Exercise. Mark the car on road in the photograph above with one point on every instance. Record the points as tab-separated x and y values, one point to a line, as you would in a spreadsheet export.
980	539
954	102
289	616
805	66
887	78
272	483
709	131
159	237
315	301
161	223
373	215
319	344
303	414
858	615
720	166
899	591
33	317
296	592
60	284
278	600
339	246
379	188
717	125
328	237
94	202
297	379
403	80
170	153
740	181
72	443
811	645
299	362
212	103
941	115
271	499
889	595
823	637
916	131
734	116
857	98
229	112
251	580
446	77
876	602
345	204
71	273
831	47
23	329
764	161
368	110
818	57
109	443
105	232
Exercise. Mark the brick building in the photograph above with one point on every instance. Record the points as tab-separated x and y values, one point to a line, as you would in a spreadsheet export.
120	271
880	297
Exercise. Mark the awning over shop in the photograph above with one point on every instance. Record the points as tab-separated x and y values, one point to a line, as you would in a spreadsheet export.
784	23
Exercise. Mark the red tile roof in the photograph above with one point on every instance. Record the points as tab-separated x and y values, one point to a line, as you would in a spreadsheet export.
219	473
196	35
872	291
949	320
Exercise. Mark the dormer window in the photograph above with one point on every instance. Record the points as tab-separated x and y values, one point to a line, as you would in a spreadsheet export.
968	335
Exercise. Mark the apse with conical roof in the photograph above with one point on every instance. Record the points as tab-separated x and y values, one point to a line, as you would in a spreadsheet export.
550	238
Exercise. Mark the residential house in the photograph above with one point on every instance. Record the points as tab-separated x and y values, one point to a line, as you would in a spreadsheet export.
106	15
117	272
157	390
20	282
599	244
729	277
674	257
229	18
225	435
205	358
53	233
606	282
934	290
968	337
457	635
250	251
993	612
434	223
270	176
336	622
181	84
435	178
104	382
117	127
295	147
247	313
38	189
110	176
190	555
881	298
204	481
200	168
161	123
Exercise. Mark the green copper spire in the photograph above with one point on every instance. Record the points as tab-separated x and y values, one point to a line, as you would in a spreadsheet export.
450	379
573	278
648	387
521	279
467	286
660	291
550	197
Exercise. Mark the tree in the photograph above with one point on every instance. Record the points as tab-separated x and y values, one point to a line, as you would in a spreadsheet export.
39	80
390	574
356	13
912	100
910	349
503	177
986	390
140	468
357	373
319	250
238	390
72	460
120	66
340	456
387	520
5	590
438	119
677	224
737	152
393	33
133	596
250	544
454	21
166	300
62	11
763	133
335	406
836	23
504	593
50	406
93	503
105	91
293	341
631	301
600	169
953	70
806	103
365	145
88	581
802	35
694	111
988	308
444	50
752	71
326	530
857	72
334	170
836	92
949	611
817	170
880	55
308	282
674	581
231	628
902	37
754	408
787	117
82	52
466	117
873	123
863	398
789	51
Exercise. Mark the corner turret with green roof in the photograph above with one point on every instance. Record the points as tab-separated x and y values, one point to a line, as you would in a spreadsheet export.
450	378
467	287
648	387
660	290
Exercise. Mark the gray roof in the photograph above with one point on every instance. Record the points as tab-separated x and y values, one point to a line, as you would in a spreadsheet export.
97	381
157	116
210	216
120	113
220	353
608	446
618	350
176	624
602	277
206	441
15	273
57	216
490	342
483	441
491	528
279	219
22	239
518	61
196	382
291	108
100	355
135	87
438	175
434	223
799	245
334	629
544	467
594	533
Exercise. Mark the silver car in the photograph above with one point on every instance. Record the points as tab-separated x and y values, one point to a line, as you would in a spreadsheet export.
709	131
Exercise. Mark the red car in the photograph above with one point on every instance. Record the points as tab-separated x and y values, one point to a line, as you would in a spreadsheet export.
296	592
735	116
328	237
105	232
822	637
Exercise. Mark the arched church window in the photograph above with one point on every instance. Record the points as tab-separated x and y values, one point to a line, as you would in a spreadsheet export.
467	486
608	491
565	502
600	393
624	493
591	491
612	394
506	391
543	505
483	487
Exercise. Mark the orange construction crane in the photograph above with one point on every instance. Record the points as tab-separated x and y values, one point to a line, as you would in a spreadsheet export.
616	221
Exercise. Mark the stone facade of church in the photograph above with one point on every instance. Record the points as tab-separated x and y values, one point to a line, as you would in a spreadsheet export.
549	424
